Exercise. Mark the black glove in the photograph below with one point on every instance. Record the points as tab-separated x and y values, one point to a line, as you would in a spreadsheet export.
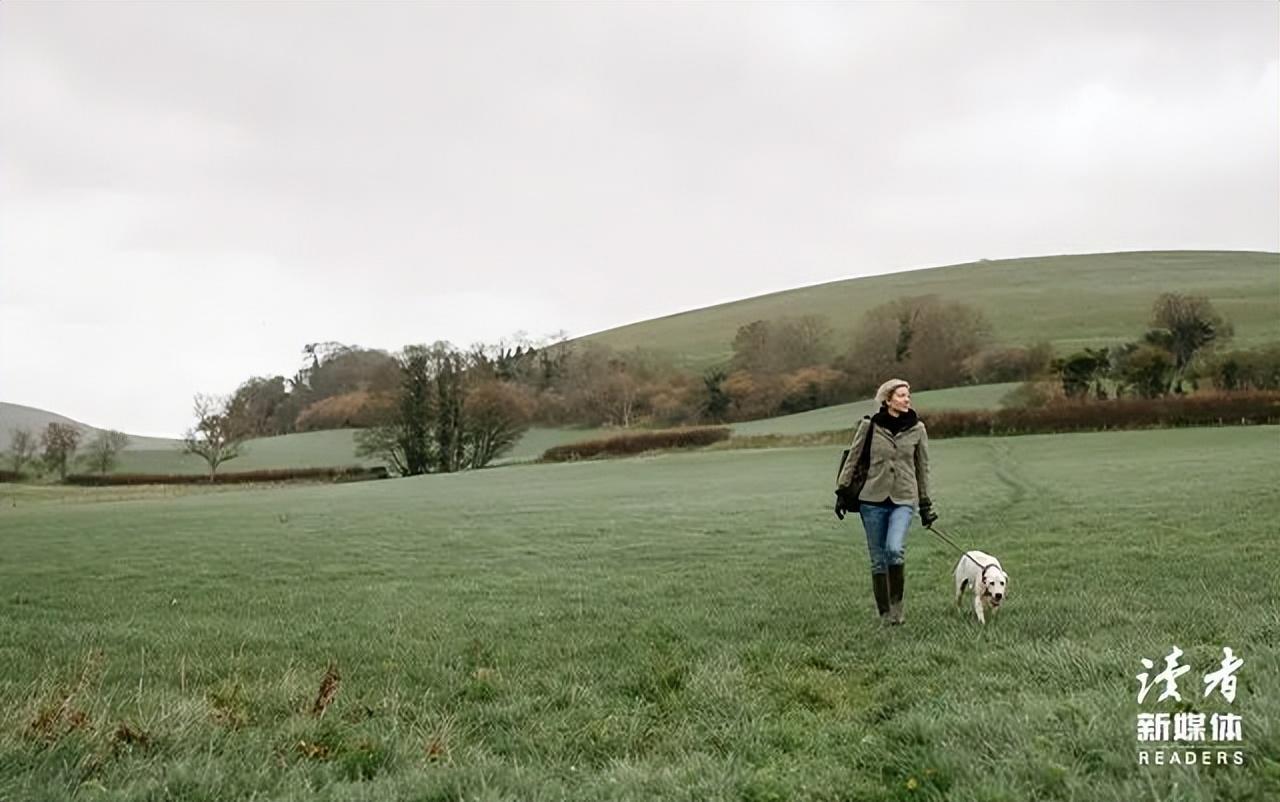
927	515
840	508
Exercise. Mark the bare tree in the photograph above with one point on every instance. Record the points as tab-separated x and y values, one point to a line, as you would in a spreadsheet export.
214	438
929	341
782	346
104	450
802	342
390	442
59	441
497	415
23	445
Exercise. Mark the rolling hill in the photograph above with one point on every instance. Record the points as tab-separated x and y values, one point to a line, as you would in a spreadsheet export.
337	447
1071	301
17	416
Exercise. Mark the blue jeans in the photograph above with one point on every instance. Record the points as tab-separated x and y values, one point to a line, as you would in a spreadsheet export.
886	533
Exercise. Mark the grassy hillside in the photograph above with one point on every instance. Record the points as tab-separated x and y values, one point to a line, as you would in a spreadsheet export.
17	416
305	450
331	448
1072	301
677	627
842	416
319	450
539	439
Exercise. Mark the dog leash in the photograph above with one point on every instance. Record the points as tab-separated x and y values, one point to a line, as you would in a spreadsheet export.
952	544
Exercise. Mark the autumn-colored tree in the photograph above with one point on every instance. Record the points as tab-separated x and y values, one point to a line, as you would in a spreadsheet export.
262	407
496	415
359	409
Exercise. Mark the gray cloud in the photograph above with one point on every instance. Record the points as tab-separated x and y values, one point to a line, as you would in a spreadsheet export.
393	173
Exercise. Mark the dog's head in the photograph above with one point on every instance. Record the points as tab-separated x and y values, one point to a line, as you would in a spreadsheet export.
995	584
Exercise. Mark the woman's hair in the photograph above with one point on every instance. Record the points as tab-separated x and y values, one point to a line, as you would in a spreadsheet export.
890	387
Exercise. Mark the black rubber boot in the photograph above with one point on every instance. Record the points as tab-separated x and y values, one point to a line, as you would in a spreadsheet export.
880	587
897	584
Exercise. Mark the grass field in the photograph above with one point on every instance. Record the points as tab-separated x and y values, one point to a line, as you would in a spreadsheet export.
1072	301
319	450
843	416
685	626
305	450
334	448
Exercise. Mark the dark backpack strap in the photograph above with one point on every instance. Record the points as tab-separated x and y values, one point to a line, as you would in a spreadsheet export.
866	444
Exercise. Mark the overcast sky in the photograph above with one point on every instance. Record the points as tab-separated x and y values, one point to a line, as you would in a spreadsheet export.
189	193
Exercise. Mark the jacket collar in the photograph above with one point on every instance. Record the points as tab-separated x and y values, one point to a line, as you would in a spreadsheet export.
894	425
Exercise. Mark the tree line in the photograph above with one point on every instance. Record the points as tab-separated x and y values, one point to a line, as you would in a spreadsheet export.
440	408
1182	350
57	447
775	367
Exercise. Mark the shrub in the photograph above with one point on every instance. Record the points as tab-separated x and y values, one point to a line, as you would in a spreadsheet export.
1209	409
810	388
1206	409
358	409
12	476
1258	369
996	365
753	396
637	442
1033	393
675	401
352	473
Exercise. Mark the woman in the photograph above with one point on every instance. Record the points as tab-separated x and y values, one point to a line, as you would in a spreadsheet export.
897	484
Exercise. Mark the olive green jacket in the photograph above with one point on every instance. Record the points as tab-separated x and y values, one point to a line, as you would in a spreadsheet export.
899	468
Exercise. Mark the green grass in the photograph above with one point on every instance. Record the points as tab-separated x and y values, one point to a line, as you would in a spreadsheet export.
691	626
842	416
1072	301
320	450
306	450
987	396
539	438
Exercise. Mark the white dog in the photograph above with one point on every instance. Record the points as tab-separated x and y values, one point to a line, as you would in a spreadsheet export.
982	574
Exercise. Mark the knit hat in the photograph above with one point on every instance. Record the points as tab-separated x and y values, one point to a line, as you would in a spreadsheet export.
887	390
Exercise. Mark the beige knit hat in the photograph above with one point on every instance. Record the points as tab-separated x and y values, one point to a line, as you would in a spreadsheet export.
888	388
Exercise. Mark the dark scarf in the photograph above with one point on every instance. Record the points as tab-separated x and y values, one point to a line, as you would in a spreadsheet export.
894	423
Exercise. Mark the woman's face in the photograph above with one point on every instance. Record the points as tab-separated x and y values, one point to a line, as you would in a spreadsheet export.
900	401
